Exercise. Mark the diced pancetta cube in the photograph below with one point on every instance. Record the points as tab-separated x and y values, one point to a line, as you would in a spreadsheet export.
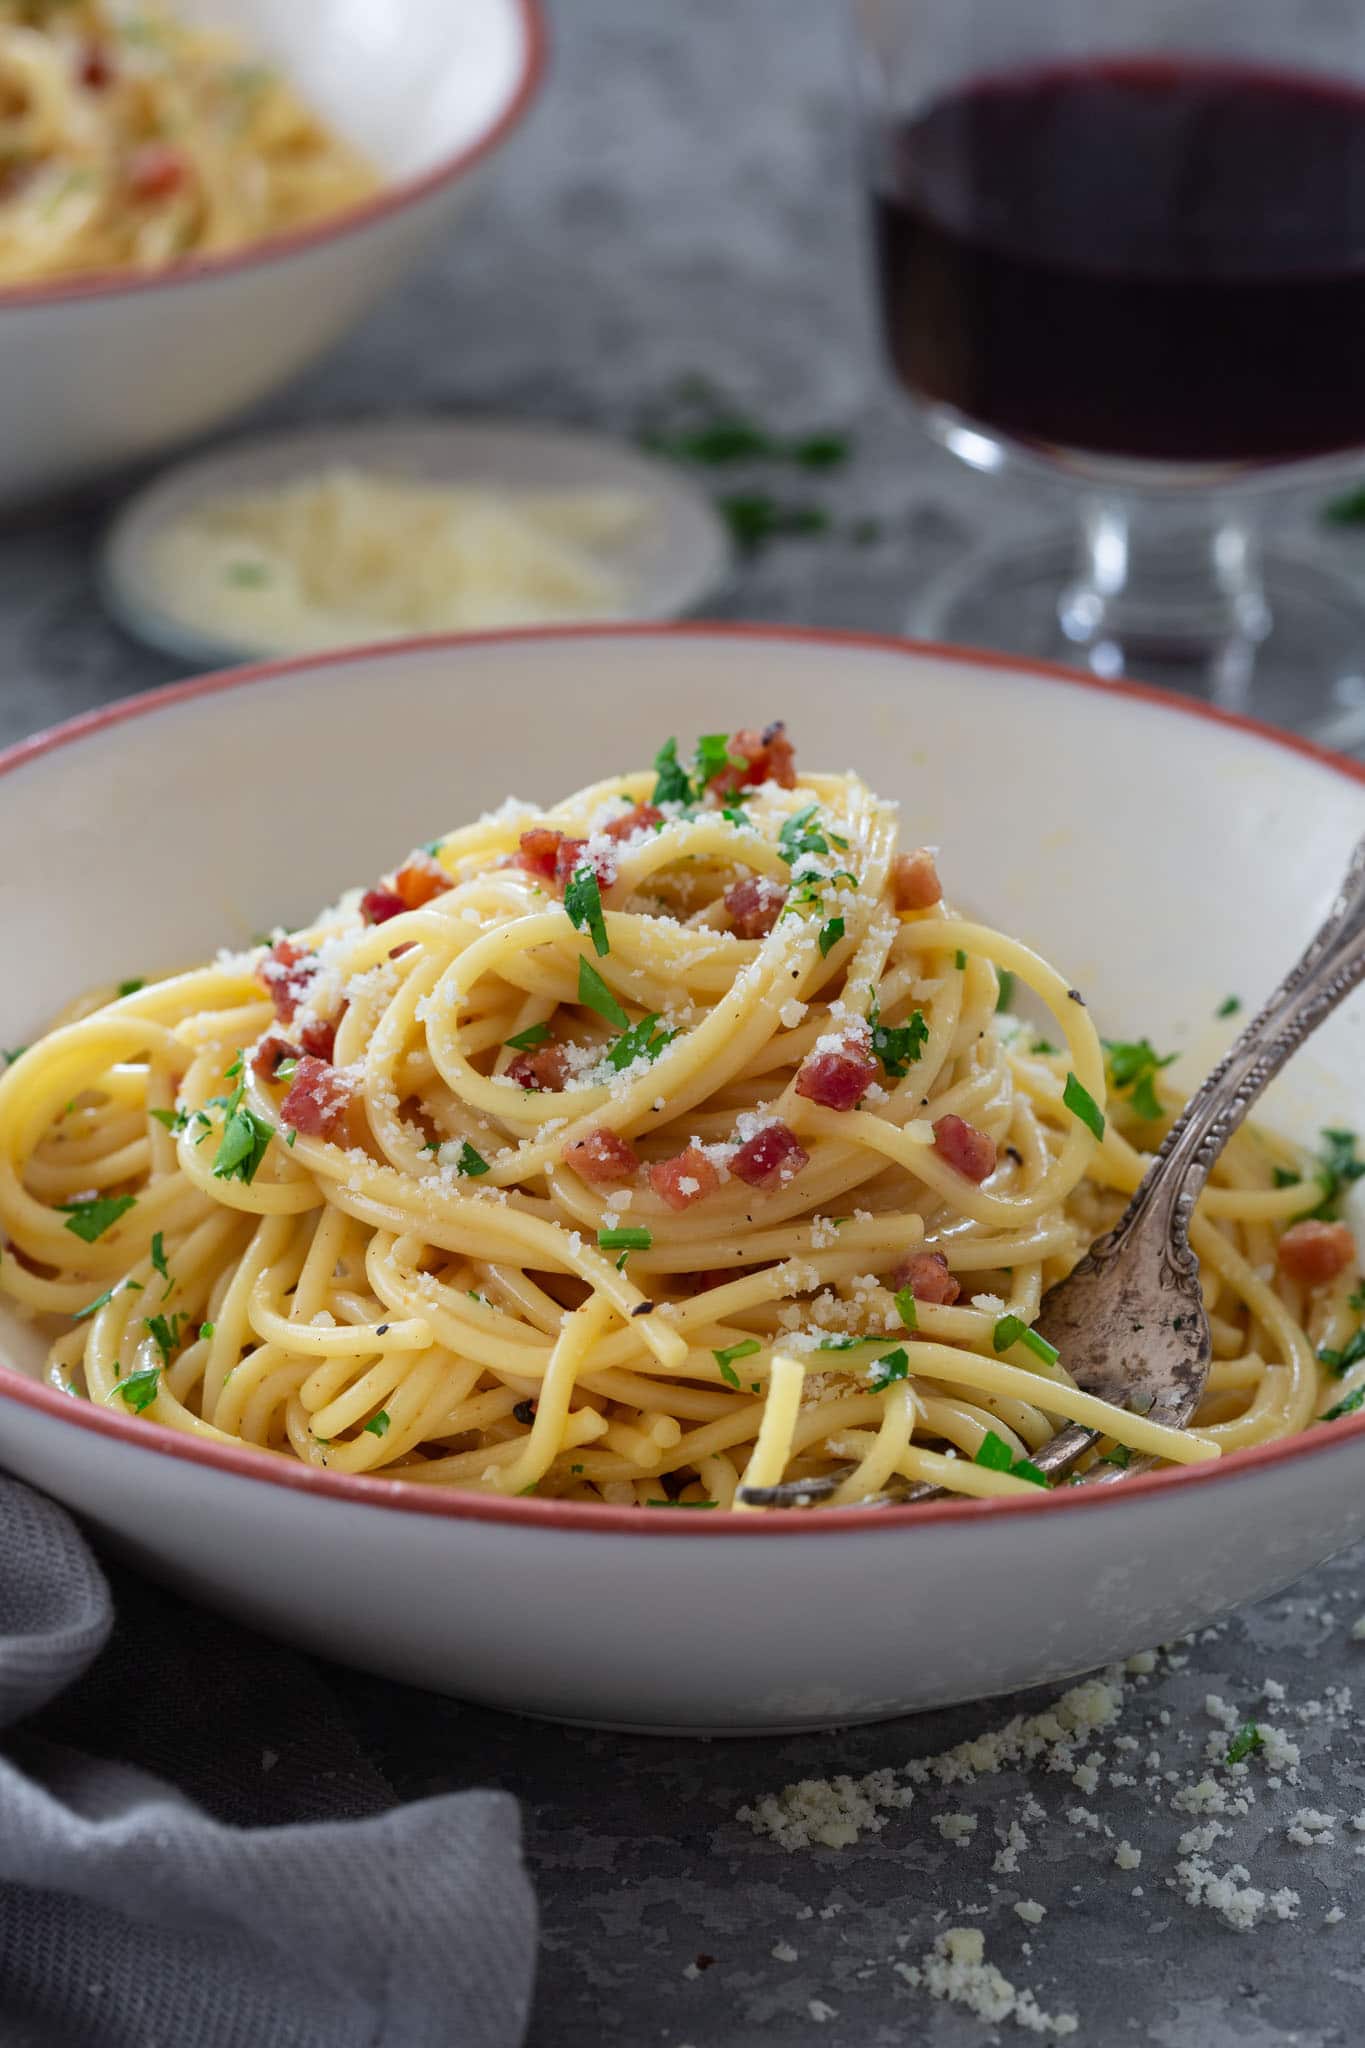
754	906
604	1158
378	905
962	1146
419	879
772	1158
927	1276
323	1103
1313	1252
543	1067
683	1180
287	972
914	881
643	818
838	1079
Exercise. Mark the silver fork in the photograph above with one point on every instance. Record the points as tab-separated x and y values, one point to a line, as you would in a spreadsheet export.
1129	1321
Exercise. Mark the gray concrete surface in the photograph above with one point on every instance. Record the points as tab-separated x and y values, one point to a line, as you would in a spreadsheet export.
684	202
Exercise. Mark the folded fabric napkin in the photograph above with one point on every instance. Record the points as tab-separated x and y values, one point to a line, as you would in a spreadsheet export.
255	1892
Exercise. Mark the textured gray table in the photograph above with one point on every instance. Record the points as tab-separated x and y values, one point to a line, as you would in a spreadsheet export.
684	202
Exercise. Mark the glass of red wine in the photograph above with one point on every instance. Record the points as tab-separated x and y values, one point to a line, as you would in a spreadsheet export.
1124	244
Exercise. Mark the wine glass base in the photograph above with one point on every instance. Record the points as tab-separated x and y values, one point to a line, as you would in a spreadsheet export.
1307	672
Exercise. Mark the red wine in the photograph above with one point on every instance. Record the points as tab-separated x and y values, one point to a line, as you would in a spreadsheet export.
1152	257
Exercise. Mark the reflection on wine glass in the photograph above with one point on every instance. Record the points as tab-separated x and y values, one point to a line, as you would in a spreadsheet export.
1126	244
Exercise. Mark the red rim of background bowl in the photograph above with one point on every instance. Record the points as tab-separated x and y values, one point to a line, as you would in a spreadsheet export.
363	1491
390	198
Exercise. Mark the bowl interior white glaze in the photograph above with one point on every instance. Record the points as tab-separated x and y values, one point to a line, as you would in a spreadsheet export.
1164	860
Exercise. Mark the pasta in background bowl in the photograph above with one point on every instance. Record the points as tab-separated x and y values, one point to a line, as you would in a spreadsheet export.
529	1601
198	201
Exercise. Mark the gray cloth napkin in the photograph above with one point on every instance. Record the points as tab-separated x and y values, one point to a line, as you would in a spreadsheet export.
141	1911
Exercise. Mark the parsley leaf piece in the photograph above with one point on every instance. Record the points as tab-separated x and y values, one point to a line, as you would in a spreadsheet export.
14	1052
1134	1065
1082	1104
173	1120
906	1309
844	1343
897	1046
628	1237
140	1389
533	1035
1337	1168
642	1041
819	451
799	835
101	1301
130	988
1120	1455
470	1162
243	1145
1014	1330
89	1220
1026	1469
1356	1299
712	757
732	812
830	935
1346	1407
1244	1743
165	1334
671	784
1005	981
206	1331
1229	1006
378	1425
594	994
159	1262
1284	1177
1341	1362
726	1359
1044	1047
959	959
1348	509
994	1453
583	901
882	1371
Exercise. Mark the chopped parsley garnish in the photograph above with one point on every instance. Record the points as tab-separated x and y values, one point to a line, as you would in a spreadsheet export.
726	1359
140	1389
1119	1455
286	1070
995	1454
1337	1168
799	836
89	1220
130	988
378	1425
178	1120
625	1237
206	1331
165	1334
1134	1064
645	1040
533	1035
1082	1104
159	1262
732	812
1005	988
1044	1046
1244	1743
959	959
830	935
1348	509
244	1143
1340	1362
756	517
594	994
906	1309
1285	1177
672	785
583	901
470	1162
1014	1330
882	1371
897	1046
13	1053
712	757
844	1343
1346	1407
1356	1299
1229	1006
246	575
103	1300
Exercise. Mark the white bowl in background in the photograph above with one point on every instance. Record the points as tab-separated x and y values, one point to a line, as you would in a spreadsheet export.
105	369
1163	854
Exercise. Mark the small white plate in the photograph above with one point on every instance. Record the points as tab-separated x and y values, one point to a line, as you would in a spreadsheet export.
670	559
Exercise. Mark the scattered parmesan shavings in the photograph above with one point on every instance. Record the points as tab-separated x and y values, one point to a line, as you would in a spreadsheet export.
1031	1911
1358	1629
1240	1904
956	1827
956	1969
1127	1857
783	1952
1312	1829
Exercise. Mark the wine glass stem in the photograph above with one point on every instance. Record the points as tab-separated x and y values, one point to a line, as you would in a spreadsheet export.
1161	578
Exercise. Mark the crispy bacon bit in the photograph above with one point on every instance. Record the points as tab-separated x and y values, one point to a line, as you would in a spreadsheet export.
962	1146
914	881
536	852
378	905
768	756
419	879
96	68
318	1035
839	1080
156	171
1314	1253
643	818
322	1103
684	1180
754	906
927	1276
545	1066
771	1158
287	971
603	1157
273	1048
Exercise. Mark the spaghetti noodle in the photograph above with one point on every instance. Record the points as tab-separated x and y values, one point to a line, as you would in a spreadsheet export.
670	1138
130	141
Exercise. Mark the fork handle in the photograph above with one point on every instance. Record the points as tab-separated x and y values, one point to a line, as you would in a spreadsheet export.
1331	966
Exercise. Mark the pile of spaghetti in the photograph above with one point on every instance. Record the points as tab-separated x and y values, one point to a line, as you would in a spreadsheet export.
672	1139
129	141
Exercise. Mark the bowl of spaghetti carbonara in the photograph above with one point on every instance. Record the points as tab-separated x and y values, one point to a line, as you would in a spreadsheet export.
508	1192
265	170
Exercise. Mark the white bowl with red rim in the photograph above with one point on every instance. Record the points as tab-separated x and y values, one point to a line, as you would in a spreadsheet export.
103	369
1163	854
